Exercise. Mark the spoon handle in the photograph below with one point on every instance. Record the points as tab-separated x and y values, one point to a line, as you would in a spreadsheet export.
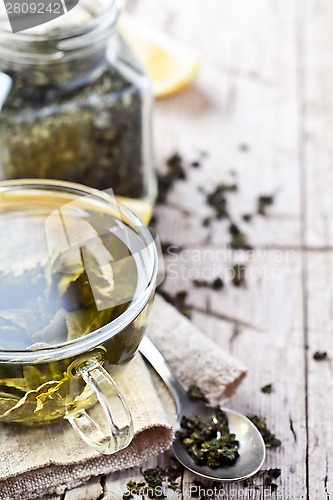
158	362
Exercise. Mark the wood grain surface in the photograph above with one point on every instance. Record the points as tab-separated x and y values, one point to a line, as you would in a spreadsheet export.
262	109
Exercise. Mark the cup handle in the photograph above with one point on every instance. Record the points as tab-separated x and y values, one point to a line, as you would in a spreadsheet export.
117	430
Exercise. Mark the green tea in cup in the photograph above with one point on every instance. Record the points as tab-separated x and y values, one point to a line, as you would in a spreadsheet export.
77	277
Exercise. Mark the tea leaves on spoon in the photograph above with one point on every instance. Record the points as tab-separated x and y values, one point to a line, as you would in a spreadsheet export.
208	440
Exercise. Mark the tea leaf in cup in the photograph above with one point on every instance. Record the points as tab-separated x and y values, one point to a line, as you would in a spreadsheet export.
6	402
34	376
55	328
49	394
38	399
84	321
79	277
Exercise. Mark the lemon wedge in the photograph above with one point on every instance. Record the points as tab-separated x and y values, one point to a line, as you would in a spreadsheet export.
171	64
141	208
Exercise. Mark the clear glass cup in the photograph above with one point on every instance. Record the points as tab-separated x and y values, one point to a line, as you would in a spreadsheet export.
75	105
62	377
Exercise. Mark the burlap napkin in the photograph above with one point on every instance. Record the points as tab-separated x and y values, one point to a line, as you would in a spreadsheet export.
51	459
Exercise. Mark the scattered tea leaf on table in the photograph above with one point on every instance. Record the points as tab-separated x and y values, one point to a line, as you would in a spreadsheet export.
271	441
267	475
320	356
239	274
239	239
263	202
267	389
216	284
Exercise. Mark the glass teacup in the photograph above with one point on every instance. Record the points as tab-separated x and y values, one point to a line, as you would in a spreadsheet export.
77	278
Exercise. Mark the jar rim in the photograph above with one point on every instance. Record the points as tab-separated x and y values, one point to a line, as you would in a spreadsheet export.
93	339
51	45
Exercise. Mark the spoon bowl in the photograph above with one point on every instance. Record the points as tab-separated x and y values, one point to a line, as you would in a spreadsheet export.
252	450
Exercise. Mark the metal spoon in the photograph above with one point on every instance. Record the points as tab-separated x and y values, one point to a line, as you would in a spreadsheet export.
252	449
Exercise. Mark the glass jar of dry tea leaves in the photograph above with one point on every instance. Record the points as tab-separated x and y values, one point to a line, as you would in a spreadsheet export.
75	105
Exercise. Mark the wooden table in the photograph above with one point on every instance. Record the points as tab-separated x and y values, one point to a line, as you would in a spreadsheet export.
262	107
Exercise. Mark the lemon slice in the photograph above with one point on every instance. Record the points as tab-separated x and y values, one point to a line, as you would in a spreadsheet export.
171	64
141	208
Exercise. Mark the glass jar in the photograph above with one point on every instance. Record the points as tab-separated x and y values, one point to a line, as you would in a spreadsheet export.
75	105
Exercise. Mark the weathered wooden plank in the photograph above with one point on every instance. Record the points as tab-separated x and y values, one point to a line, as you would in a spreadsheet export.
274	354
253	304
316	75
115	485
320	374
316	67
245	94
51	497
